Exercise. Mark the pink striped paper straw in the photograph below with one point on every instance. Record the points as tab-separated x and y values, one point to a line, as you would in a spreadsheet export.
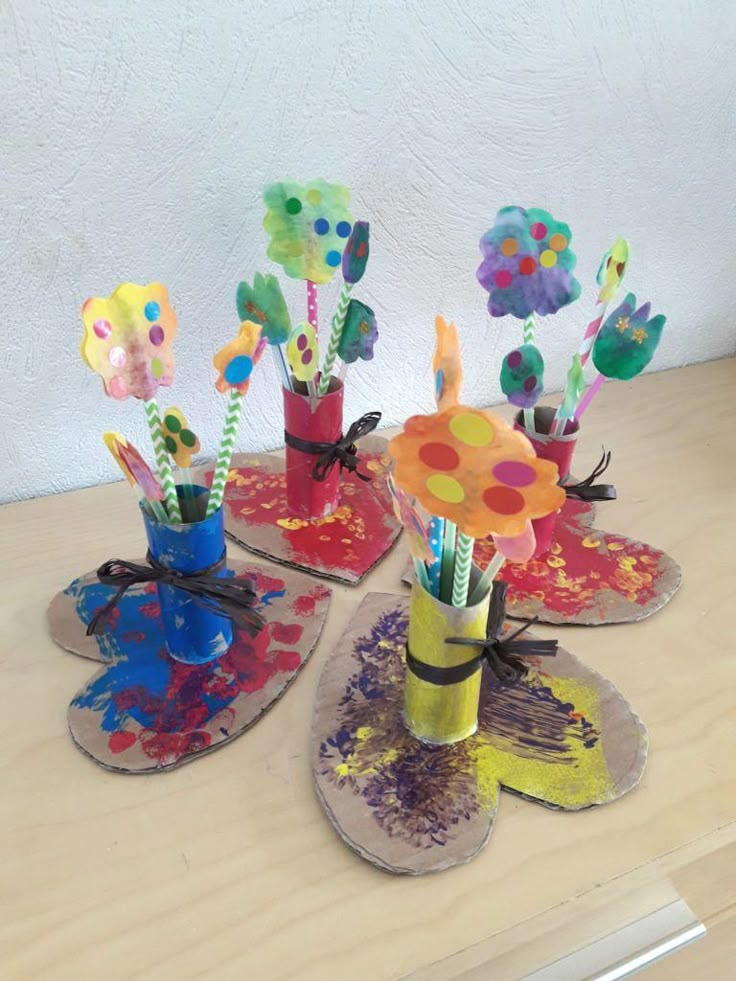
588	397
312	303
591	331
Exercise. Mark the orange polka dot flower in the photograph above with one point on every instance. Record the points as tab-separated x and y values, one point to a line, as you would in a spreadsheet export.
128	340
527	264
472	468
236	360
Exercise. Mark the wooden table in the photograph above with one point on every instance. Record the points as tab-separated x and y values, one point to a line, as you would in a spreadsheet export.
227	868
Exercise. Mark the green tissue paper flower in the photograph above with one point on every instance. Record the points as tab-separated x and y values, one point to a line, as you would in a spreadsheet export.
264	304
627	340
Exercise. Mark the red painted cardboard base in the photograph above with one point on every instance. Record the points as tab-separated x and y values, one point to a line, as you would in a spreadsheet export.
344	546
588	577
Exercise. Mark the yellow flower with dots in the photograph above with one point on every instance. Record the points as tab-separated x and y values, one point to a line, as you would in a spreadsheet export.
180	441
472	468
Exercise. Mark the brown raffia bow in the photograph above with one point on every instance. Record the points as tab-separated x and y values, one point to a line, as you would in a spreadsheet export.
232	598
342	451
504	654
586	490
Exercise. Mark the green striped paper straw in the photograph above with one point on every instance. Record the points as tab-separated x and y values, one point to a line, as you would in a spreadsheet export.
225	453
463	565
153	417
338	322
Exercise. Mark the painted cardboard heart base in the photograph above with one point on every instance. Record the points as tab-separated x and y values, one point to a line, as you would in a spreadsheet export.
344	546
588	577
564	737
146	712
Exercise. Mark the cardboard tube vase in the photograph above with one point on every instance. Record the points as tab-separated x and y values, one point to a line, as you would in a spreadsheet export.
443	713
558	449
317	420
193	633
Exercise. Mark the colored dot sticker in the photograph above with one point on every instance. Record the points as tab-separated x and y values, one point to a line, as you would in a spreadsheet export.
548	258
172	423
513	360
503	278
439	456
361	250
471	429
238	370
527	266
157	368
321	226
117	357
509	247
530	383
156	335
445	488
538	230
343	229
152	310
314	196
293	206
187	437
170	444
302	341
503	500
514	474
118	387
102	328
333	258
558	242
307	357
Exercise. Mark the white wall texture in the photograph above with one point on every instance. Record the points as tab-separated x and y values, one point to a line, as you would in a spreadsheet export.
137	136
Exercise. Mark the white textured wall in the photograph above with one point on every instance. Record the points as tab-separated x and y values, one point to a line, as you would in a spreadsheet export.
137	135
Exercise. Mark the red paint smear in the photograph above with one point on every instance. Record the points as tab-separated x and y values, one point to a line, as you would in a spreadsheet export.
120	741
287	633
573	587
152	610
305	605
287	660
352	540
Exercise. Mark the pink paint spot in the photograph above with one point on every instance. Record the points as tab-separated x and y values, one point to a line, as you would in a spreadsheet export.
120	741
286	633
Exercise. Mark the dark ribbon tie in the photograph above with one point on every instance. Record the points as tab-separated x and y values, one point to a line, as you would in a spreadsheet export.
586	490
343	451
232	598
503	654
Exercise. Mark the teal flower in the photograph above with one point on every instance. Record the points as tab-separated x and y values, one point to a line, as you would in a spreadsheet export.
626	342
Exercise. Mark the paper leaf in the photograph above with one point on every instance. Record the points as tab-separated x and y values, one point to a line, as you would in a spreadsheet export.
471	467
127	340
517	549
612	269
527	264
355	256
447	364
417	533
302	351
626	342
134	467
309	227
181	443
573	389
522	376
264	304
237	359
359	333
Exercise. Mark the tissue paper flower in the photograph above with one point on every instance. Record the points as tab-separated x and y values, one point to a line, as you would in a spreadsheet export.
417	533
263	303
134	467
522	376
236	360
527	264
127	340
446	364
472	468
355	256
302	352
180	441
626	342
359	333
309	228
